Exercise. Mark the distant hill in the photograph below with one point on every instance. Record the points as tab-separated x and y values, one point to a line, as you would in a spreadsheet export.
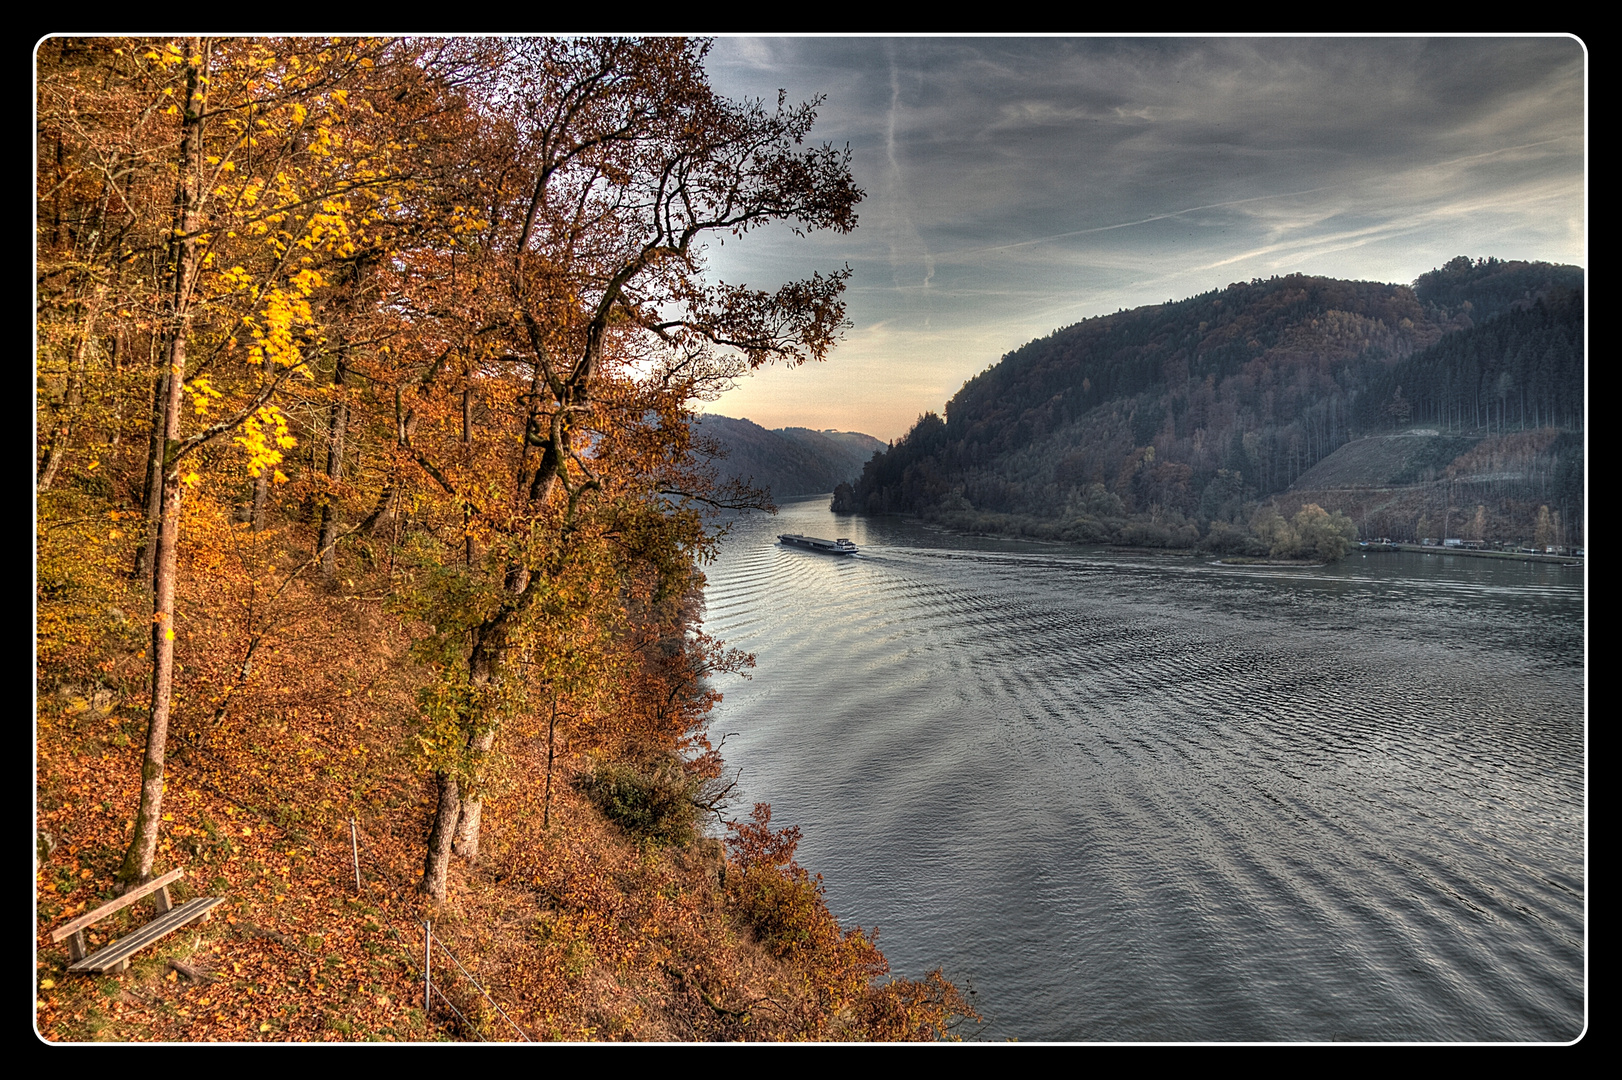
1150	425
788	461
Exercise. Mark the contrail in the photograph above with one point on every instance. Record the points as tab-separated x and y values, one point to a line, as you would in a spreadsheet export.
897	188
1217	205
1129	224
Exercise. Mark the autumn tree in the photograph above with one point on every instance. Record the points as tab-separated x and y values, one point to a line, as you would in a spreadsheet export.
221	202
598	170
478	264
1313	533
1543	533
331	329
1324	535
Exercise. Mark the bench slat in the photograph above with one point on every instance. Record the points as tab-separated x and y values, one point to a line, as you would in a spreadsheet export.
68	929
112	955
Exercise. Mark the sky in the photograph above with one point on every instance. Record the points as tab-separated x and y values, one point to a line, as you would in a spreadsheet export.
1016	185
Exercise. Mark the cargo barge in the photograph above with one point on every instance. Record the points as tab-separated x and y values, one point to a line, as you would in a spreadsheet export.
832	547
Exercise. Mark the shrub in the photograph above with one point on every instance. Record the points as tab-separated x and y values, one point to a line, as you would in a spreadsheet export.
913	1010
783	905
1226	539
776	896
658	802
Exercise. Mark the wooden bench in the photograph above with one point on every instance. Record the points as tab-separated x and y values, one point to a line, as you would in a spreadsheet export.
115	956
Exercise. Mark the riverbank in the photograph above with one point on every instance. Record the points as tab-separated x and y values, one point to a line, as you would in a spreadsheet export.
1513	556
1117	546
1246	560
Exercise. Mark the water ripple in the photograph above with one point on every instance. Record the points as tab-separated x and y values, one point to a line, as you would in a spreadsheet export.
1132	798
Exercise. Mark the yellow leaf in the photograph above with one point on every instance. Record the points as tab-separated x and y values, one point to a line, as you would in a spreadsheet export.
46	984
169	635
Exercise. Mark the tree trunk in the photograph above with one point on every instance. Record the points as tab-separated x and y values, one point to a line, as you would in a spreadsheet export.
466	843
484	667
460	831
261	494
72	399
467	440
337	428
152	491
143	845
437	865
117	437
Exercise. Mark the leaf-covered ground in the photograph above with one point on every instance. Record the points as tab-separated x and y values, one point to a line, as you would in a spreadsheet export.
576	932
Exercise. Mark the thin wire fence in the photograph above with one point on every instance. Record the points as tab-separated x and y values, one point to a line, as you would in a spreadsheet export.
430	989
493	1002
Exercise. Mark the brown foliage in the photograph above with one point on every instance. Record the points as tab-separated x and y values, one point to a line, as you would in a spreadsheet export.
836	970
430	523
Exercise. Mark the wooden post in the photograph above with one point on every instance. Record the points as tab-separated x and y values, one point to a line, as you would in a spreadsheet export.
354	845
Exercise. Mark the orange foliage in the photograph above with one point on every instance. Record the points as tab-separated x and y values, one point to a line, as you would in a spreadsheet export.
836	968
436	523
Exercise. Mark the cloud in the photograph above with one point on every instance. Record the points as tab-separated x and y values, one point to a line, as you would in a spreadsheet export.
1019	184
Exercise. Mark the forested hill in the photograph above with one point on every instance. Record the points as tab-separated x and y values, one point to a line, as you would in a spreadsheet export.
1523	368
788	461
1189	412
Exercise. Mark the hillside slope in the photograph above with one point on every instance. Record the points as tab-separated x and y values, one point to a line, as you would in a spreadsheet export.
585	916
789	461
1183	414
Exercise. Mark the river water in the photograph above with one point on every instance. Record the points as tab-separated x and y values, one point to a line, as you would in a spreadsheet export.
1130	797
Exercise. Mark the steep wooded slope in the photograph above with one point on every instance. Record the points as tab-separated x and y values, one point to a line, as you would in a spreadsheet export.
1184	413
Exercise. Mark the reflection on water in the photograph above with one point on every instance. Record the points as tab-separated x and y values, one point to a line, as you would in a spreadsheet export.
1145	797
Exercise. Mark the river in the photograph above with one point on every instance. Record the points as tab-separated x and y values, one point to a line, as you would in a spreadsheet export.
1146	798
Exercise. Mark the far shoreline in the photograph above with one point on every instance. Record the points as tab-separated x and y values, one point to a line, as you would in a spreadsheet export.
1361	547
